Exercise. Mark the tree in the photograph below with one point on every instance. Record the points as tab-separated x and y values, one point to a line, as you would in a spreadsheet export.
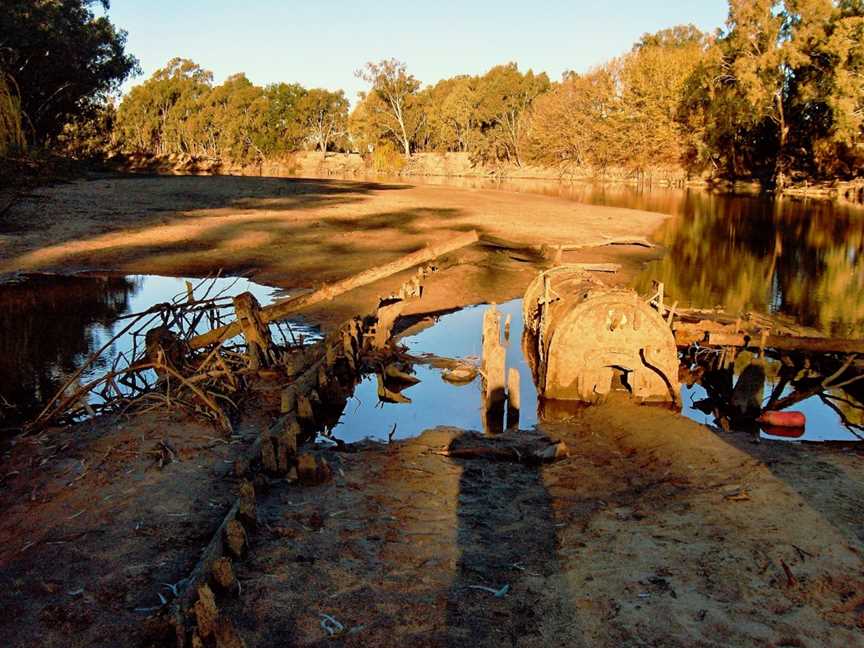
396	106
652	81
782	88
324	115
580	122
155	116
282	130
505	96
63	59
233	113
835	90
451	114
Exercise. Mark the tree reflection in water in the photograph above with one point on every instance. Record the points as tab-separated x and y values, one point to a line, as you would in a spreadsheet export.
48	326
800	258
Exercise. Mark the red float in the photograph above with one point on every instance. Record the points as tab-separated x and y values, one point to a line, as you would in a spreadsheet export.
783	419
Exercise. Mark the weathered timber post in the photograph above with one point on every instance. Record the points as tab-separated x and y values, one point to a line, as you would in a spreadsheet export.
255	331
513	398
493	370
387	315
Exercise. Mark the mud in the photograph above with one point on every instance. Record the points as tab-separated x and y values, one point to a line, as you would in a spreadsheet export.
660	533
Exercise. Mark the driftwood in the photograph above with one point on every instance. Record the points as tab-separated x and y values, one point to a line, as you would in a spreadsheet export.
161	370
786	342
530	451
513	398
283	309
549	250
831	382
214	550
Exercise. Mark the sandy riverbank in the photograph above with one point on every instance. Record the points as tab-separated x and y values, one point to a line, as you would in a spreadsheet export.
293	233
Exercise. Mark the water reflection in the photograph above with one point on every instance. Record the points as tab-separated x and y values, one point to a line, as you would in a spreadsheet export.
49	325
799	258
823	423
794	256
434	401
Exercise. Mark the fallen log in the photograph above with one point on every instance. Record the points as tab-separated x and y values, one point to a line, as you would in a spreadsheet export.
214	550
283	309
639	241
780	342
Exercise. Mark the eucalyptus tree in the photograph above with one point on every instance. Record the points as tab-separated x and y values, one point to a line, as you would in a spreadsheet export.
393	99
783	87
324	116
505	95
154	116
451	107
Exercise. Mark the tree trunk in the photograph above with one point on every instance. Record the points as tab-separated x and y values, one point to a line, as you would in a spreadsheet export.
780	165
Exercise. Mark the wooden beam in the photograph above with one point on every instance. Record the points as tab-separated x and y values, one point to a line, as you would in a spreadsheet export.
780	342
284	309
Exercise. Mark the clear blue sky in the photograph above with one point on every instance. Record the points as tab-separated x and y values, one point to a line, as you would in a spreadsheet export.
320	43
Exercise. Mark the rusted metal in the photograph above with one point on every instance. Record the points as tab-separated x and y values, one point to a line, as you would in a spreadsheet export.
584	339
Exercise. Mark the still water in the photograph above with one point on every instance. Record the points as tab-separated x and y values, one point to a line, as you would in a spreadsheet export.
435	401
49	326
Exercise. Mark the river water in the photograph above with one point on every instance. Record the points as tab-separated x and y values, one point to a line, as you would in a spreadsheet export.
799	258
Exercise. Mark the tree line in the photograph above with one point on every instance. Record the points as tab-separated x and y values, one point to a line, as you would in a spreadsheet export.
777	93
180	110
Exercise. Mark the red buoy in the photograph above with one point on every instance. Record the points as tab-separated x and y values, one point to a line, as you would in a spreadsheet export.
785	432
783	419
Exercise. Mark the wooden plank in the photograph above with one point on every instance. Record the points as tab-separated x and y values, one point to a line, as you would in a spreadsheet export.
790	343
283	309
199	574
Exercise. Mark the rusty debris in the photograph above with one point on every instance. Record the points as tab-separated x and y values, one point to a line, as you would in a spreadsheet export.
585	339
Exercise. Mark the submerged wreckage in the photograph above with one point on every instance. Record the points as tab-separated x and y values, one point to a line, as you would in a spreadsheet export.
584	339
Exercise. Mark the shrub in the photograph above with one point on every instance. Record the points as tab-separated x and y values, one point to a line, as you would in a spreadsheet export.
387	160
11	131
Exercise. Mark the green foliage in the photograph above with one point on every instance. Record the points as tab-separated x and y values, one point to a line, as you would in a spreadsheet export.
179	110
162	114
779	92
323	115
579	123
283	130
393	102
623	114
486	116
451	107
89	137
505	97
64	60
782	90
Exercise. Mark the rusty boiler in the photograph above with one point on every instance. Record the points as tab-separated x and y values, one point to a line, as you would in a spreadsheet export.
584	340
